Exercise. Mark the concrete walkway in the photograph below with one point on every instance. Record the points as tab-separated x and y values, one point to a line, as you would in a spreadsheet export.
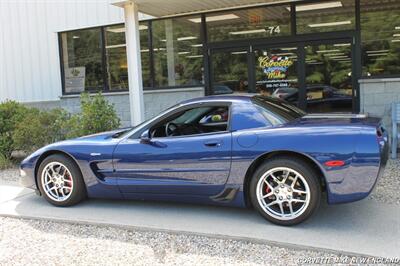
364	227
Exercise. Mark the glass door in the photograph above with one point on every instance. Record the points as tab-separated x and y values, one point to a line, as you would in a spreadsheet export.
229	71
276	72
329	81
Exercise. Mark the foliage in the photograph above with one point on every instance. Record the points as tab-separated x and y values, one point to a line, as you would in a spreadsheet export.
27	129
5	162
97	115
39	128
11	113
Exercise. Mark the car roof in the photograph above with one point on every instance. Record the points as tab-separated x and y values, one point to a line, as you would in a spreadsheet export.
218	98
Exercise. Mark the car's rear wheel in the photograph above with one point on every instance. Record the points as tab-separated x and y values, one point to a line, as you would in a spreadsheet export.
285	190
60	181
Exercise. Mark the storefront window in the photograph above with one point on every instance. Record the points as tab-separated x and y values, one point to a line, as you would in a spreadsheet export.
230	71
380	34
325	16
249	23
177	49
116	60
82	55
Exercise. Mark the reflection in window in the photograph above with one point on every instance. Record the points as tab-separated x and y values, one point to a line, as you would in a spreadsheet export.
178	57
325	16
82	55
116	60
230	73
380	34
249	23
329	78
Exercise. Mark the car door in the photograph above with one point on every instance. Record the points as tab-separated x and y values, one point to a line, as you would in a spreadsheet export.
197	164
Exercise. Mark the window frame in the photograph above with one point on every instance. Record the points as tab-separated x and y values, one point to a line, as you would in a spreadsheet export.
179	109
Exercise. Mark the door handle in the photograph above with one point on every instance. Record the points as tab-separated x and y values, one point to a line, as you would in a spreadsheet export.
212	143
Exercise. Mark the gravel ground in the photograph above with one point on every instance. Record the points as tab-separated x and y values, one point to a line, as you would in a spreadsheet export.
388	186
32	242
9	176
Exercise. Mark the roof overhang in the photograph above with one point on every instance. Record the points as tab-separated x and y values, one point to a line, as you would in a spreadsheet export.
171	8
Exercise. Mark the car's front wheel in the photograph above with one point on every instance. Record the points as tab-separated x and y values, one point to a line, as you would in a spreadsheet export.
285	191
60	181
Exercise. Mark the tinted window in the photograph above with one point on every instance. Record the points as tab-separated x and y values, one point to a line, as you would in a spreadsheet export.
178	54
380	34
249	23
282	111
325	16
82	55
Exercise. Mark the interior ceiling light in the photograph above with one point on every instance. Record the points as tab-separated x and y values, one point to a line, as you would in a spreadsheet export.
397	28
247	32
122	29
377	51
215	18
396	35
397	40
371	55
241	52
330	24
194	56
334	54
309	7
284	54
187	38
341	44
338	57
328	51
197	45
183	52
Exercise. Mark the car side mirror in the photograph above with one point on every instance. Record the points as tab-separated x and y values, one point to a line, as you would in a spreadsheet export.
145	137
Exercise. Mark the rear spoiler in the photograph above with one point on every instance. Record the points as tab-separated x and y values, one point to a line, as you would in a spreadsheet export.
335	115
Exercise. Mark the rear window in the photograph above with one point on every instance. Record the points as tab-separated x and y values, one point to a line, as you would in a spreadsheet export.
277	111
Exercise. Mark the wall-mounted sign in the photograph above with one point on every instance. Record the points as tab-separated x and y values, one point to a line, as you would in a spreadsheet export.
75	79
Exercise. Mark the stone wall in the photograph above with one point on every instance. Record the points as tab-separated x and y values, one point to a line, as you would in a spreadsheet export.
155	101
376	96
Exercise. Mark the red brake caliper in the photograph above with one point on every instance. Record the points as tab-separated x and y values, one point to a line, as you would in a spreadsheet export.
267	189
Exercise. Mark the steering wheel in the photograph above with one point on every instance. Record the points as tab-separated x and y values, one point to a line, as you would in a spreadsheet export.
170	127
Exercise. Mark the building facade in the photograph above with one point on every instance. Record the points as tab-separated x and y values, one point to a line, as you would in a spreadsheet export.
323	56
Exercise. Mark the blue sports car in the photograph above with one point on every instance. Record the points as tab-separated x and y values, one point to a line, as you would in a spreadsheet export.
224	150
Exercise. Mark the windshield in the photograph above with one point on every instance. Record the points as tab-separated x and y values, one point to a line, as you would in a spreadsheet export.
283	110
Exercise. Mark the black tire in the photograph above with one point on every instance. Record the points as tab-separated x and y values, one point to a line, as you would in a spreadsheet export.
78	192
301	167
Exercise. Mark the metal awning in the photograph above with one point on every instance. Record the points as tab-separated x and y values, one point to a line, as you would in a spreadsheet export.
169	8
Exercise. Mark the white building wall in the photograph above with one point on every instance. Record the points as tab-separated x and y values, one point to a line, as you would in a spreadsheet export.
29	53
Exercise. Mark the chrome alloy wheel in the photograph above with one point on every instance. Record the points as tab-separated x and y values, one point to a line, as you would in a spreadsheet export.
283	193
57	181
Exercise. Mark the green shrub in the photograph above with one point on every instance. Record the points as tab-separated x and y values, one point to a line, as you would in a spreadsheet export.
11	113
39	128
27	129
97	115
5	162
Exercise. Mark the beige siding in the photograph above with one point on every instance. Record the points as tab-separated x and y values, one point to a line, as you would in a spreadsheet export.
29	54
